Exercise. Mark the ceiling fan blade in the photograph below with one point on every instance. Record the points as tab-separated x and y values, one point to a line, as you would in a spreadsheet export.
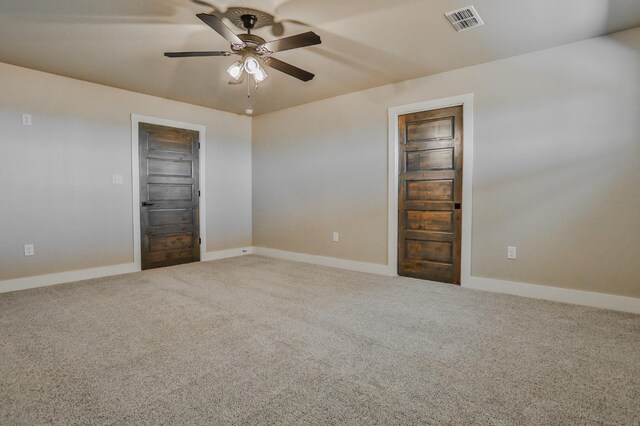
204	3
289	69
194	54
301	40
214	22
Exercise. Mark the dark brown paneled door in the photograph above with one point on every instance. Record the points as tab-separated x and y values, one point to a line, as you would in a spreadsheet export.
169	195
430	195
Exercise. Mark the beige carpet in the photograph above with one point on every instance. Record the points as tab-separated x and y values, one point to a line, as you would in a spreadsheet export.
253	340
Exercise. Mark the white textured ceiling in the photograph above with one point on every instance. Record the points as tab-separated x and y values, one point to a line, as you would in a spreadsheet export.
365	43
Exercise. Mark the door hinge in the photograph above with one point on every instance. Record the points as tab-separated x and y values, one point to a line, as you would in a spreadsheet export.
198	145
199	240
198	193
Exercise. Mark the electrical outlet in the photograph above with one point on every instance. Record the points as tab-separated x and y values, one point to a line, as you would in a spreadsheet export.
26	119
336	236
29	250
117	180
511	252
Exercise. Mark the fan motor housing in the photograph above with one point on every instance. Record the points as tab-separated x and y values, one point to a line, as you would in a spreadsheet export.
252	43
251	39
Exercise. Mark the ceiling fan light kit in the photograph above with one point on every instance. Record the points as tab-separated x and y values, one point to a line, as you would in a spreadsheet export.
254	50
249	64
252	67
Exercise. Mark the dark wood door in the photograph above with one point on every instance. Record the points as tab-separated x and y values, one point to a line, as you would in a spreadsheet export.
169	195
430	195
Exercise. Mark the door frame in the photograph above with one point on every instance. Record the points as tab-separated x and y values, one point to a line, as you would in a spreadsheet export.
466	101
135	180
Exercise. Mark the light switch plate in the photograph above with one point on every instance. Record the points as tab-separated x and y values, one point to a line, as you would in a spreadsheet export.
117	180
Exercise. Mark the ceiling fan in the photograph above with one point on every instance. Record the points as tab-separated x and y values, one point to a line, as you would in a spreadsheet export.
254	50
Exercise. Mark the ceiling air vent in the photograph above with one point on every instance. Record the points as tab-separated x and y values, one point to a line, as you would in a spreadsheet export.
465	18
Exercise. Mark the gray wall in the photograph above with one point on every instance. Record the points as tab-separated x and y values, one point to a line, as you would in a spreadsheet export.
56	187
556	167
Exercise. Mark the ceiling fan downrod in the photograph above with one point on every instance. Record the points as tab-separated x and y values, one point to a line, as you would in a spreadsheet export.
249	22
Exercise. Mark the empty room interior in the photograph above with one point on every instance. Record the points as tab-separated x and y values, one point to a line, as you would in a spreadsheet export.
320	212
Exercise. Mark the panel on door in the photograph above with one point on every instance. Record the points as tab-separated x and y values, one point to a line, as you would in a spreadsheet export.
430	195
169	195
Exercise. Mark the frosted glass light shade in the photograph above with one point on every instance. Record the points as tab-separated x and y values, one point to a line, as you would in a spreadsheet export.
260	74
235	70
251	65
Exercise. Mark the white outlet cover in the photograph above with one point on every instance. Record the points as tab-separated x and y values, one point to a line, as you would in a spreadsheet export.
117	180
29	250
336	237
511	252
26	119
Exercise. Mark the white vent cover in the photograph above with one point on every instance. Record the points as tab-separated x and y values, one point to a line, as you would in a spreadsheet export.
465	18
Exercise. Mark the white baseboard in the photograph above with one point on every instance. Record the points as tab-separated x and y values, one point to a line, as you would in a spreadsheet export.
104	271
555	294
576	297
225	254
66	277
351	265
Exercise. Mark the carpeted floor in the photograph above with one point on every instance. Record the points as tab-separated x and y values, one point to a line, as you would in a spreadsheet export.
253	340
